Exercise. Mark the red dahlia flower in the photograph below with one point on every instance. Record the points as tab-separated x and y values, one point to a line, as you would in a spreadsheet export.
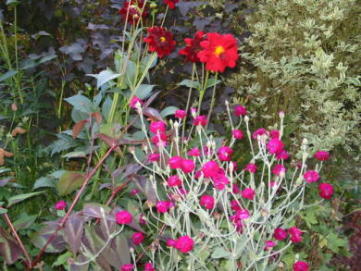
218	52
160	41
134	9
193	47
171	3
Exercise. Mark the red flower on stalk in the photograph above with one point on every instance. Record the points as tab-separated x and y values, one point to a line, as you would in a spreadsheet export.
160	41
193	47
218	52
171	3
134	10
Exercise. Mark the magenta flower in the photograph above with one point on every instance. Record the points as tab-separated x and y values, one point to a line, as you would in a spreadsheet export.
235	189
296	234
282	155
301	266
138	238
127	267
180	114
149	267
174	181
200	120
134	101
207	202
220	181
210	169
325	190
163	206
240	110
194	152
171	243
123	217
259	132
275	146
275	134
175	162
154	157
134	192
322	155
248	193
311	176
60	205
237	134
188	165
280	234
159	140
251	168
235	205
279	170
184	244
157	126
224	153
269	244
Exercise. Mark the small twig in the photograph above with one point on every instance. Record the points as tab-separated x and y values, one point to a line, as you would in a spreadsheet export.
20	243
75	201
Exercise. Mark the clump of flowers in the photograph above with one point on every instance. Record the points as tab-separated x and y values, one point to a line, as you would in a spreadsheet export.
202	200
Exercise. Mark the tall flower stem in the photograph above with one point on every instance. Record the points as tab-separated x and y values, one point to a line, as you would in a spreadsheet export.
213	98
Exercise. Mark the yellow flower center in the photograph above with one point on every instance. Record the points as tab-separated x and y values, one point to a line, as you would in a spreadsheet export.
163	39
219	50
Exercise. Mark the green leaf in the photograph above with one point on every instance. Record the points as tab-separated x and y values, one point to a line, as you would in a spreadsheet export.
104	77
144	91
212	82
3	211
62	259
69	182
8	75
190	83
335	243
81	103
18	198
24	221
220	252
169	110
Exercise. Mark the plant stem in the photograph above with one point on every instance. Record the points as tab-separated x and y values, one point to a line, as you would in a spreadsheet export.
20	243
213	99
75	201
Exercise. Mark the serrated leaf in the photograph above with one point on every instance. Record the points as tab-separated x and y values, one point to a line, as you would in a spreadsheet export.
19	198
69	182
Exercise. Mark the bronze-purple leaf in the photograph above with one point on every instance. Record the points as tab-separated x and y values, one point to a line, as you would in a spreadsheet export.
40	238
9	249
73	231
